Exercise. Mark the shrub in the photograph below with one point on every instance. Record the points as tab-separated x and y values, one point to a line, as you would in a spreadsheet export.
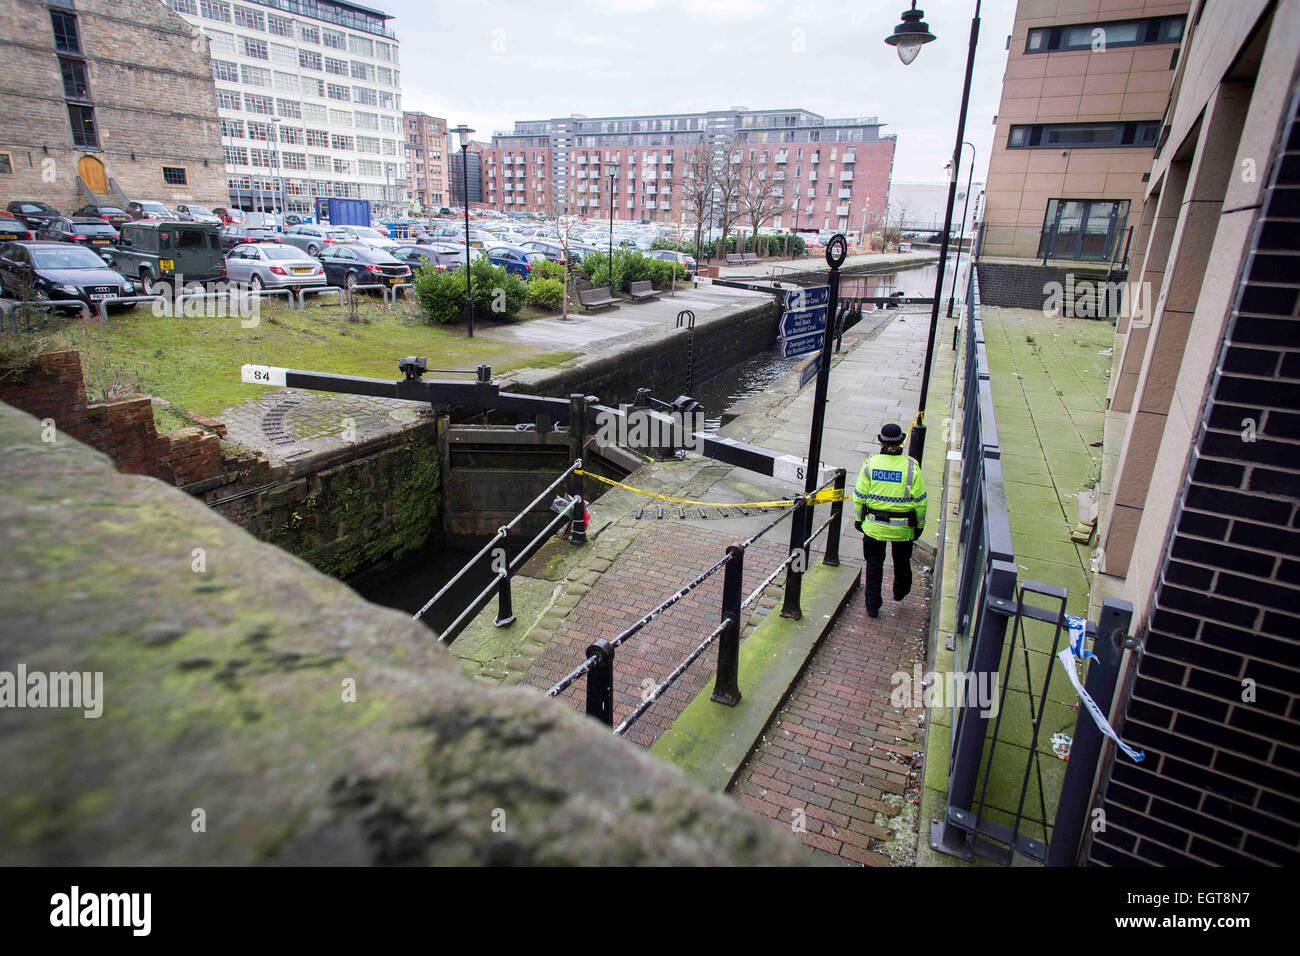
441	295
546	293
545	269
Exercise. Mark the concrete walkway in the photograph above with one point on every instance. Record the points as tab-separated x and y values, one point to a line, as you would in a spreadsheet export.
816	262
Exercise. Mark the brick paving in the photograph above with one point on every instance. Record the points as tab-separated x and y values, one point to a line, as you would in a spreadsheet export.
657	563
838	757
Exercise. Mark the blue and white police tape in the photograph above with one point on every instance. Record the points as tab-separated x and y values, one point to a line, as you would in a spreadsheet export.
1078	628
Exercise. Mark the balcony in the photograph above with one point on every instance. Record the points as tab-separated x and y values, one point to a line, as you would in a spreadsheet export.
845	193
665	205
850	156
782	157
846	177
814	159
841	210
812	175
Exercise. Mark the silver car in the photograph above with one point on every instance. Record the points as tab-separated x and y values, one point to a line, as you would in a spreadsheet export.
272	266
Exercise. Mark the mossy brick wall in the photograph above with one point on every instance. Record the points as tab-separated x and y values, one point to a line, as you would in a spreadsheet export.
346	510
53	388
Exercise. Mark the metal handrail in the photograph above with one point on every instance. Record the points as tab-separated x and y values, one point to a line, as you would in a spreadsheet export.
681	668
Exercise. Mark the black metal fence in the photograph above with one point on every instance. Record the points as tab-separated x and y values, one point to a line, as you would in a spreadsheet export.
598	667
990	602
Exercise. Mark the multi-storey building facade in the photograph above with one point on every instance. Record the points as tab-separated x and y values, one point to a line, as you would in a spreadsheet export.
829	174
308	92
458	165
105	98
427	187
1083	103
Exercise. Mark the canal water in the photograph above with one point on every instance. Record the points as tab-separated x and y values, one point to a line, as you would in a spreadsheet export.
409	583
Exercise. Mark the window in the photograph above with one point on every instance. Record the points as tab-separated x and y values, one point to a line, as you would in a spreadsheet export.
67	39
288	108
219	41
1139	133
340	117
370	167
259	131
291	135
217	10
313	87
225	71
367	144
383	51
336	92
227	100
175	176
320	163
294	160
1082	229
279	26
6	164
190	7
343	167
336	67
255	49
286	82
309	60
284	55
308	34
236	156
362	71
386	100
362	45
385	75
250	19
84	132
258	104
254	75
76	84
318	137
364	96
335	41
232	129
1085	36
341	142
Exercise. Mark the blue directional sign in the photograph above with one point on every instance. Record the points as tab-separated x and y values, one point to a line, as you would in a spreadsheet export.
802	344
798	299
808	371
803	322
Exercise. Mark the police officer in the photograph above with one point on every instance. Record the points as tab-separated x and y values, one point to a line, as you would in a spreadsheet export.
889	506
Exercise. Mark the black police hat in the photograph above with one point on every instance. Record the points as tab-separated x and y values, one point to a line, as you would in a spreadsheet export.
891	434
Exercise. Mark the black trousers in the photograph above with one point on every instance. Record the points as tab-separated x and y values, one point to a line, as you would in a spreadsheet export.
873	552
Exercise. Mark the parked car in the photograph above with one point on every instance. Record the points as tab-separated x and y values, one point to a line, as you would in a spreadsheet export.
58	271
237	235
369	236
32	213
82	230
115	216
149	209
551	250
357	264
189	213
441	257
161	253
229	216
442	233
294	219
273	266
516	260
12	230
681	258
314	238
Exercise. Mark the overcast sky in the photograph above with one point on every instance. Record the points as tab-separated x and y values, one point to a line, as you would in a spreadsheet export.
490	63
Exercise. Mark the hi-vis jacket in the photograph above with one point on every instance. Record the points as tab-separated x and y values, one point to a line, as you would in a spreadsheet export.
889	499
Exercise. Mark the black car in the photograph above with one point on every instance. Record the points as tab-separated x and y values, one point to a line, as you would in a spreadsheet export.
355	265
32	212
81	230
237	235
113	215
58	271
12	230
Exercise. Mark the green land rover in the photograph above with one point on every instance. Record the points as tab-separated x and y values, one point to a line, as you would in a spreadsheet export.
161	253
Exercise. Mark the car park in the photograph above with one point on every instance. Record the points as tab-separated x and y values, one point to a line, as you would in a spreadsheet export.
59	272
262	265
441	258
32	213
82	230
229	216
515	259
149	209
357	264
161	253
12	230
189	213
237	235
314	238
681	258
115	216
552	250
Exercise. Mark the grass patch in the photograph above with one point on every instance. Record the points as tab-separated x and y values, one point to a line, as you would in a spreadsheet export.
193	363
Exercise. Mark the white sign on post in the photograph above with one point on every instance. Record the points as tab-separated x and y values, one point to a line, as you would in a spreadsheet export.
261	375
790	468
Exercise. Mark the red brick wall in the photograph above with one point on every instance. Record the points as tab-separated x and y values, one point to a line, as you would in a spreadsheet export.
124	430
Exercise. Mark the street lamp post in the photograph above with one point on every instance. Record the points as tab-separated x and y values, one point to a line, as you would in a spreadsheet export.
865	208
961	230
908	38
462	132
612	165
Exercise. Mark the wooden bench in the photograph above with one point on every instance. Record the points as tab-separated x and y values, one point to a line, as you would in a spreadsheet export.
750	257
640	291
735	259
596	298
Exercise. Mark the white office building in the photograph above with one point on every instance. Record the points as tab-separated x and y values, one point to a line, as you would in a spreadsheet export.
309	96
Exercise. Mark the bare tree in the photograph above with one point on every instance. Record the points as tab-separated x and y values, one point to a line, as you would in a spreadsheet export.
729	161
697	176
562	206
759	195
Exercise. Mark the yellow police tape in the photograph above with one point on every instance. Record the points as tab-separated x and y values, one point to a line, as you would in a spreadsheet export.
825	496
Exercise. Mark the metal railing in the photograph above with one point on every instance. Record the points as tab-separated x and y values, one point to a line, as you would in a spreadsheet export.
10	312
988	599
598	667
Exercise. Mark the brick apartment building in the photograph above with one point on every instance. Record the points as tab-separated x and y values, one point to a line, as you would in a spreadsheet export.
108	99
832	173
426	162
